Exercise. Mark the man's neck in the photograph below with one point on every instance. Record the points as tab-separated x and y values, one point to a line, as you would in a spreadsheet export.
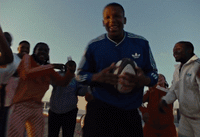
117	39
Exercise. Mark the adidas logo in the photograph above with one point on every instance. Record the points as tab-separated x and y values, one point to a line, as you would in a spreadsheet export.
135	56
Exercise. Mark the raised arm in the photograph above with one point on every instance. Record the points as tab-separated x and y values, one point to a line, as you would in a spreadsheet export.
27	72
6	55
60	80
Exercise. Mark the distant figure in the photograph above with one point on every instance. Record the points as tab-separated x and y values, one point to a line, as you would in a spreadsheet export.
109	112
186	88
63	106
157	124
35	74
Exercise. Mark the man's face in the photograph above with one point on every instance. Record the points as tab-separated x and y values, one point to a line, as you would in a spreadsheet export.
42	53
23	49
113	21
179	52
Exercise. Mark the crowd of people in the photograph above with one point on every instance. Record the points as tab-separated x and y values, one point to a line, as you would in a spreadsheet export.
25	78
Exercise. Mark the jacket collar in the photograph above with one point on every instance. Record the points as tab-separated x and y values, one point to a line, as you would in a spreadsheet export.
114	41
192	59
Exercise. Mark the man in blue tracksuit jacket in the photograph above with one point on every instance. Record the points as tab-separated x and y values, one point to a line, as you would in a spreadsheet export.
111	113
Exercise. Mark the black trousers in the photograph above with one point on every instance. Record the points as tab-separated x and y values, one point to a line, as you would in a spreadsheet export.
3	112
67	121
104	120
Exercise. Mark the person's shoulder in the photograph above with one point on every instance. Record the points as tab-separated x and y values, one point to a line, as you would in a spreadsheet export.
15	55
97	39
135	36
26	56
195	59
198	61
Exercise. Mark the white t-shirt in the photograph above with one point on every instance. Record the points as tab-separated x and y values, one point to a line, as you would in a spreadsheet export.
8	70
12	82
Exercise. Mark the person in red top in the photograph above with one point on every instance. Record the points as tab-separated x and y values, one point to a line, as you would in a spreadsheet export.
35	76
157	124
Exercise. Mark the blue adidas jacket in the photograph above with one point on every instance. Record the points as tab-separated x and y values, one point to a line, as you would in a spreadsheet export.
102	52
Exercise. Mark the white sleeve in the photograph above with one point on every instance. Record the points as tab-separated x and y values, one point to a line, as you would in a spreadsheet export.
6	73
170	97
10	70
198	82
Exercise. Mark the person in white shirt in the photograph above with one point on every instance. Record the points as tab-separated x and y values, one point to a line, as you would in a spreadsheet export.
186	88
23	48
10	81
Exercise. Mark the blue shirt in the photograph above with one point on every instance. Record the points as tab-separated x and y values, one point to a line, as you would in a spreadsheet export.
64	99
102	52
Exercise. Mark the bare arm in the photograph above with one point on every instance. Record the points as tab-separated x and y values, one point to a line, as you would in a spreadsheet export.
6	55
60	80
27	72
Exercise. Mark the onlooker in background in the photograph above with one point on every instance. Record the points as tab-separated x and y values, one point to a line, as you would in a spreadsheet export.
35	76
157	124
23	48
111	113
63	106
186	88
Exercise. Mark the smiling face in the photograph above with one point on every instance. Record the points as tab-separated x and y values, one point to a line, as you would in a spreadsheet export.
42	53
180	53
161	80
24	48
113	21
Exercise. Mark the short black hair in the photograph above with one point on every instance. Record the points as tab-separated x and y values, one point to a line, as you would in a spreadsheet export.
115	4
188	45
24	41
